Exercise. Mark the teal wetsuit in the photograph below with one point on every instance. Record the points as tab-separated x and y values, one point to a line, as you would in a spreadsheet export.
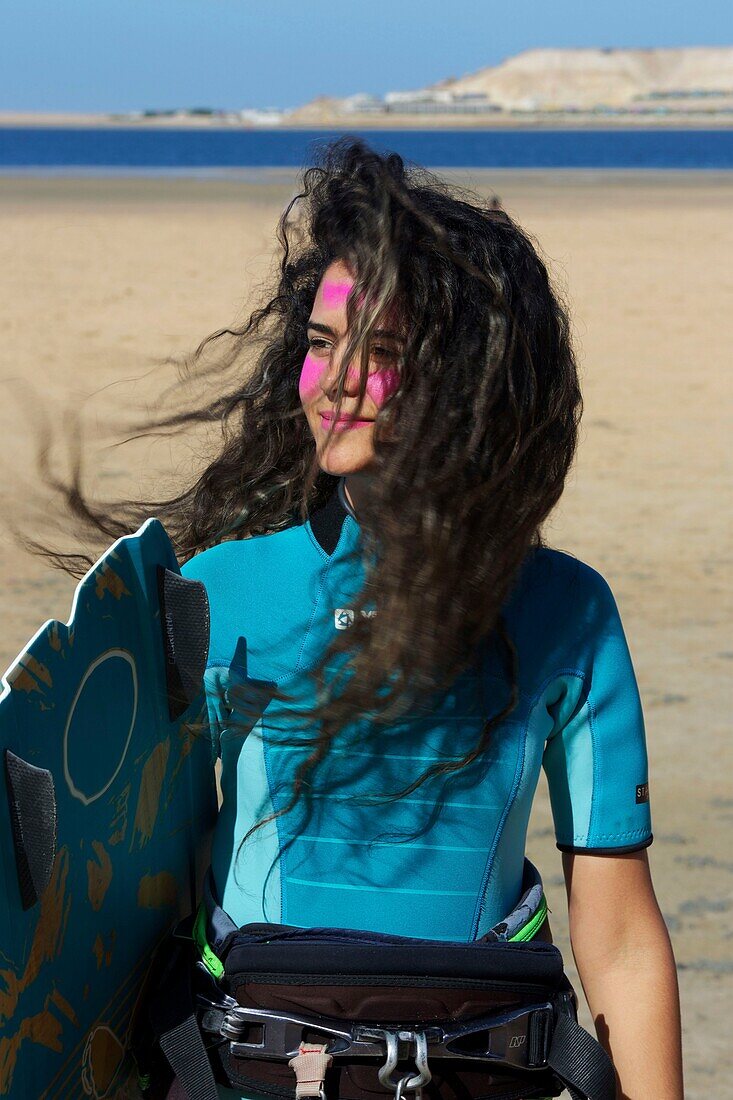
274	601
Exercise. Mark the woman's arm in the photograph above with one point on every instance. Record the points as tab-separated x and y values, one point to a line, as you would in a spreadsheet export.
625	962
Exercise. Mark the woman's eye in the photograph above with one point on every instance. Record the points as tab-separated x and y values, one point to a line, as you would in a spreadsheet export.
378	351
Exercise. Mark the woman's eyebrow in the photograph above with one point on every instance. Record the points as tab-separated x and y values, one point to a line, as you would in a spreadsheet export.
380	333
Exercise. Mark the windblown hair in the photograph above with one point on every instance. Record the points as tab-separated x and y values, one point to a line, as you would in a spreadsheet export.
471	451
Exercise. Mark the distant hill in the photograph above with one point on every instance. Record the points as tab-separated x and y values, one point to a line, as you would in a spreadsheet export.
687	79
591	78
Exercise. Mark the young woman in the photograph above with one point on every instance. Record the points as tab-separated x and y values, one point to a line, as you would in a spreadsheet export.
394	652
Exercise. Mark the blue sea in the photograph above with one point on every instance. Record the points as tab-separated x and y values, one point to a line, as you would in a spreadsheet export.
152	151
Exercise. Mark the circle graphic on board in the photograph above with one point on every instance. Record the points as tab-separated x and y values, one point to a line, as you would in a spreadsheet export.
99	724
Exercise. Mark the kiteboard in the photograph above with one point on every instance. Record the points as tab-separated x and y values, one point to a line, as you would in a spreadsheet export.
107	803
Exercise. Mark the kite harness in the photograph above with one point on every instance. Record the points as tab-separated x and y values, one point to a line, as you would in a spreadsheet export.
346	1014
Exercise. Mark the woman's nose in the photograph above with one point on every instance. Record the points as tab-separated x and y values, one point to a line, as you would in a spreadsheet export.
330	376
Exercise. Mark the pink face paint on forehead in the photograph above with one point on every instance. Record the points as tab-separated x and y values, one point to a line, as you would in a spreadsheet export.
335	292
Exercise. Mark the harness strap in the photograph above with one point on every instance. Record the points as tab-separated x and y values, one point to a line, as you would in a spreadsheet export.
310	1065
173	1019
580	1062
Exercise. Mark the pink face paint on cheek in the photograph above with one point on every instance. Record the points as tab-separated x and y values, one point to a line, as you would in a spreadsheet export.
382	384
310	375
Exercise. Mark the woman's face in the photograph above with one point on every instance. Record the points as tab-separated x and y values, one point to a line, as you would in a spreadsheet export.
350	446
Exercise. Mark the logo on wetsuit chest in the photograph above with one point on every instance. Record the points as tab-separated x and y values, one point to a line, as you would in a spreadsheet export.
343	617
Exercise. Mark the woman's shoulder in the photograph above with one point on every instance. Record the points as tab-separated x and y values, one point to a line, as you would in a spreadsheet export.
207	564
254	586
559	609
209	560
259	552
550	575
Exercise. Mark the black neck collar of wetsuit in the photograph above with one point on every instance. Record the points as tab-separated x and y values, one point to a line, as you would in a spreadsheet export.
327	521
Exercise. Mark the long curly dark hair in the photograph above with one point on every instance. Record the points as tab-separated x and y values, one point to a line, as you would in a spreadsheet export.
471	451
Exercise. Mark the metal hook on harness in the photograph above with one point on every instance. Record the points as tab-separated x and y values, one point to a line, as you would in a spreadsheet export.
404	1083
392	1039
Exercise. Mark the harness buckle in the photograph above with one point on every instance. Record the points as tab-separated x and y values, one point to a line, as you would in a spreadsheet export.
392	1040
517	1039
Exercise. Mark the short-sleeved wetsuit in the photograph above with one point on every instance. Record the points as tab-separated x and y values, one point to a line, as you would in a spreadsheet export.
275	599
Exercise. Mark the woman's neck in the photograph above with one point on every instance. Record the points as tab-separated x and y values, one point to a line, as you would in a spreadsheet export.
355	488
344	497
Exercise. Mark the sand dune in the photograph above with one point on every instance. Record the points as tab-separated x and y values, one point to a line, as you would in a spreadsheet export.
587	77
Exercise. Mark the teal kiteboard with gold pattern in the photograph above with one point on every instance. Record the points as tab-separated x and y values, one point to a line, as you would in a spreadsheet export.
107	802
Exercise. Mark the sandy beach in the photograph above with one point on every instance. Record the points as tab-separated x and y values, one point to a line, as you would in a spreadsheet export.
103	279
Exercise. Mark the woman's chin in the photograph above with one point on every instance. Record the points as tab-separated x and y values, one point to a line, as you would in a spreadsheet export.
339	462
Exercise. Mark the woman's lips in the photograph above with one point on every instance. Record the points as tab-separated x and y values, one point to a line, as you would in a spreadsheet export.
342	423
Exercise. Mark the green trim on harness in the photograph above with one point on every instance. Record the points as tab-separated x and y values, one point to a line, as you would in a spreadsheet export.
211	961
533	925
215	966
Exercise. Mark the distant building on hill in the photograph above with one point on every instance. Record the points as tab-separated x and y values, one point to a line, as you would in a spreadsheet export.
427	102
265	116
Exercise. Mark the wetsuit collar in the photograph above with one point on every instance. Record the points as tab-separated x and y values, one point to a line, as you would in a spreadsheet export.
327	521
341	490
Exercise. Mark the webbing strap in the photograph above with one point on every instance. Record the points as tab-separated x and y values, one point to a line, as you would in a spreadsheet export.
310	1065
580	1062
174	1022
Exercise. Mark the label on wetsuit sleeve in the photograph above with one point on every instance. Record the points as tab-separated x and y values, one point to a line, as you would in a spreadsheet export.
642	793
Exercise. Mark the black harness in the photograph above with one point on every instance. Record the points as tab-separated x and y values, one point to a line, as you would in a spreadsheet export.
348	1014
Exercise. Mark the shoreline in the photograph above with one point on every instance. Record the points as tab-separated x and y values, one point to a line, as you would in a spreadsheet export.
292	170
19	121
93	191
197	179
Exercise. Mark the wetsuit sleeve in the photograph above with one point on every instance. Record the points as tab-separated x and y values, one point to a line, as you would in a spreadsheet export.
195	569
595	757
214	691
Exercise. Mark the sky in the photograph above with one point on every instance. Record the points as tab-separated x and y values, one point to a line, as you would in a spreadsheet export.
117	55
